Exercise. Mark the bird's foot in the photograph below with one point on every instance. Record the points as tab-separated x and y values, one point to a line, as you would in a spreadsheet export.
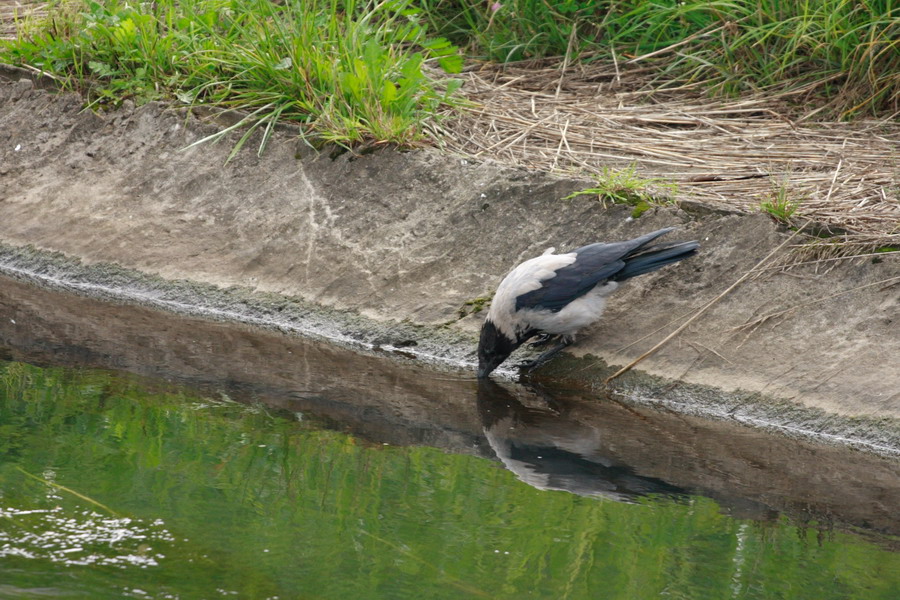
528	365
534	363
542	340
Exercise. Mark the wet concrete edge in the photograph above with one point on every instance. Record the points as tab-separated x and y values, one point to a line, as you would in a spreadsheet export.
438	347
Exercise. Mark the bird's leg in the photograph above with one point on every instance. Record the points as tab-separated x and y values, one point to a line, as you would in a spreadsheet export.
541	340
529	365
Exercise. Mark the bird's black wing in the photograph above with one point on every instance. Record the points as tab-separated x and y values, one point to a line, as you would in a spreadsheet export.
594	263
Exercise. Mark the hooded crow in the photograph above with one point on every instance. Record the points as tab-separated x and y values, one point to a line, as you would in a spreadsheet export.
555	295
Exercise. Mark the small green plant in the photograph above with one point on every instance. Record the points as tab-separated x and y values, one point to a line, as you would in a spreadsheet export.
884	250
781	203
625	186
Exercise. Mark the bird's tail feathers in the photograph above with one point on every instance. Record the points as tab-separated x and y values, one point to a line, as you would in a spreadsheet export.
655	257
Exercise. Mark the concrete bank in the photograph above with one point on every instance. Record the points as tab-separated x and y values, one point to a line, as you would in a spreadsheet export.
387	248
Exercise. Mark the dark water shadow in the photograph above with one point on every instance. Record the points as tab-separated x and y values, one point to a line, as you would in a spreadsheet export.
552	439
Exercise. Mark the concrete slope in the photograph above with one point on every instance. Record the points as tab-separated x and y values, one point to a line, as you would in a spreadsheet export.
411	237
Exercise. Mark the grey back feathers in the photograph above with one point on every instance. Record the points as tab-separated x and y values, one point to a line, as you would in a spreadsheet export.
558	294
599	262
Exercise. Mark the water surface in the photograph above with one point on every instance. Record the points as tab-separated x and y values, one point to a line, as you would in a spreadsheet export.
147	455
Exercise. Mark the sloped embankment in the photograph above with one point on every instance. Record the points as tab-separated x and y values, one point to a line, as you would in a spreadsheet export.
403	240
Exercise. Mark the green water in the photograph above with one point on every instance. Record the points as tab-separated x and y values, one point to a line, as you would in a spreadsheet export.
116	487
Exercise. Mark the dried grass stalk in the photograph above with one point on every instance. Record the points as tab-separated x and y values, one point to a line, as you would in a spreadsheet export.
729	153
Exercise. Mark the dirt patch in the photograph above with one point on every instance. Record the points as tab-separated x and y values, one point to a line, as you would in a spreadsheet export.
411	237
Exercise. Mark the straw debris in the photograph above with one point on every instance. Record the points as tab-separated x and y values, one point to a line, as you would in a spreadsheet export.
725	153
12	11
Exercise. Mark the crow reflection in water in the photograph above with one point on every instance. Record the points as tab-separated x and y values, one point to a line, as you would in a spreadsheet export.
549	451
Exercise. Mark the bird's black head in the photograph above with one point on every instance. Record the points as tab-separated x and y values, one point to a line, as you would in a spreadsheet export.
493	348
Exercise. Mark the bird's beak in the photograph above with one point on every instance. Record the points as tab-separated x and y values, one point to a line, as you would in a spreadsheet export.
483	370
487	362
493	348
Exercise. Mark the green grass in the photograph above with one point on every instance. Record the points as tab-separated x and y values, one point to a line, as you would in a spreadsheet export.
518	29
358	72
781	203
346	72
625	186
848	51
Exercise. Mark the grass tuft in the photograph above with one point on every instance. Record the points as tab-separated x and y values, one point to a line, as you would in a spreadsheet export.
781	203
625	186
346	72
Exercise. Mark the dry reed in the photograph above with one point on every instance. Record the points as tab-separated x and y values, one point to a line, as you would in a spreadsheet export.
727	153
11	10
